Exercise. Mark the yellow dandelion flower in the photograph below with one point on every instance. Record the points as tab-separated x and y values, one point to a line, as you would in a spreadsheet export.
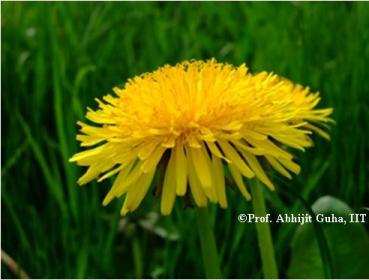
197	118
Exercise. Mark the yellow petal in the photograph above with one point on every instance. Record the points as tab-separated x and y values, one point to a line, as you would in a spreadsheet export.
249	133
152	161
318	130
94	171
219	181
195	185
136	194
202	166
88	154
193	141
131	179
110	173
243	145
215	151
294	143
180	163
118	184
147	150
277	166
255	166
270	148
169	188
290	165
239	181
235	158
89	140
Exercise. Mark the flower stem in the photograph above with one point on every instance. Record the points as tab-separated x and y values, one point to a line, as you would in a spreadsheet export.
263	232
208	246
137	257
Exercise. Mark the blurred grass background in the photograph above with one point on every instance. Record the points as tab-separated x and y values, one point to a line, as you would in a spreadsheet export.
57	57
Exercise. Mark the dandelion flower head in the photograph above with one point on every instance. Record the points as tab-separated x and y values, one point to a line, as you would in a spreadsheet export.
194	122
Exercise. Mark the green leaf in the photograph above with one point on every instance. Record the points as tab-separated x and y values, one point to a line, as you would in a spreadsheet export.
348	244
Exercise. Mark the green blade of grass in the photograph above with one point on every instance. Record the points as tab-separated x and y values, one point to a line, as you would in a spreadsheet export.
54	186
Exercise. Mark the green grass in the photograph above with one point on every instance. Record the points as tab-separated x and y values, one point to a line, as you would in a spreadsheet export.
57	57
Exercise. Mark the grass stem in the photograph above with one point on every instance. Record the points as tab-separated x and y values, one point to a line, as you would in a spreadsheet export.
208	246
263	232
137	256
